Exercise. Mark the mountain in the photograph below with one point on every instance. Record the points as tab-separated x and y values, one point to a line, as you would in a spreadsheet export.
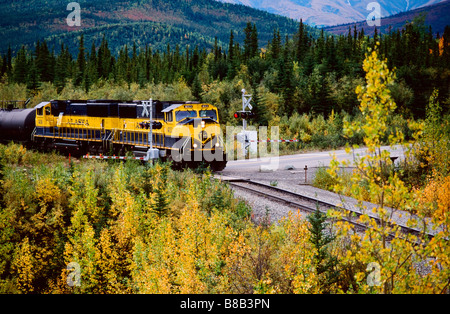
153	22
437	16
332	12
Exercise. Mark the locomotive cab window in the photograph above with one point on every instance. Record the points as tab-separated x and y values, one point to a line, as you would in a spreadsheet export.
208	114
180	115
39	111
48	111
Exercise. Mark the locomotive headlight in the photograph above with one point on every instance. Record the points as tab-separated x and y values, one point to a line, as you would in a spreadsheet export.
195	145
217	144
203	124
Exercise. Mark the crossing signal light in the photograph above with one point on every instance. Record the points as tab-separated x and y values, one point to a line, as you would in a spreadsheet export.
156	125
244	114
250	115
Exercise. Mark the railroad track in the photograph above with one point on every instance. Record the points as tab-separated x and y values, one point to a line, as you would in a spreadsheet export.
309	205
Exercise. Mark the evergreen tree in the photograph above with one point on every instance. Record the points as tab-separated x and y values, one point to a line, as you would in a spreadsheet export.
160	203
62	68
33	82
232	60
81	63
250	41
285	81
20	72
324	262
197	88
3	65
44	62
104	63
133	66
301	42
91	74
259	109
195	60
9	61
275	45
231	47
320	48
254	42
318	95
444	48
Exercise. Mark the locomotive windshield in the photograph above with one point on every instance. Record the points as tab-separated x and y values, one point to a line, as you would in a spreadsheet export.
208	113
180	115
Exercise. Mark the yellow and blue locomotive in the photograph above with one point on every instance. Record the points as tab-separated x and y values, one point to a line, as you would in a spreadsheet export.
187	133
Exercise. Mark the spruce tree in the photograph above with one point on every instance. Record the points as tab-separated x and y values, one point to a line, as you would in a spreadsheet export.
9	61
20	72
44	62
250	41
160	203
302	42
254	42
324	262
2	66
62	68
231	73
231	47
197	88
104	60
275	45
33	77
285	81
81	63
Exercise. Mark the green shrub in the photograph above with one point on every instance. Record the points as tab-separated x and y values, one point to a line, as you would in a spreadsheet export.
323	180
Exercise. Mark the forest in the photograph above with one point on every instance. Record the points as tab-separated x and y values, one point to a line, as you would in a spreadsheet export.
136	228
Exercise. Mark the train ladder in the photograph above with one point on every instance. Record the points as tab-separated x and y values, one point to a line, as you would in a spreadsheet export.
33	134
107	140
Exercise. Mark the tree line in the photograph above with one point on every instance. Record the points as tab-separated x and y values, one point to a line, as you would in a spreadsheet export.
310	74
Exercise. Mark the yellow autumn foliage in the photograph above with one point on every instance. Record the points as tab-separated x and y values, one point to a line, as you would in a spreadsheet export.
383	259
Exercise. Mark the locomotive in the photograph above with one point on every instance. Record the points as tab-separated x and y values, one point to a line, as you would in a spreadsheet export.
184	132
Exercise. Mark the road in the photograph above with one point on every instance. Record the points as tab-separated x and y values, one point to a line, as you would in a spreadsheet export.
299	161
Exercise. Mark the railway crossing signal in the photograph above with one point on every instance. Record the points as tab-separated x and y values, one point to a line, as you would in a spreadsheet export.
244	114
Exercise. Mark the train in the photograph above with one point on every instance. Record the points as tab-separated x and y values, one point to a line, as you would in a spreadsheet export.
187	133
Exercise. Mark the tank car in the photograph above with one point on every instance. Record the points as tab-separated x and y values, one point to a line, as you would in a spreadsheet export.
17	125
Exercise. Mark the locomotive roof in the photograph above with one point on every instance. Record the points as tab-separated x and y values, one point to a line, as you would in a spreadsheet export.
172	107
42	104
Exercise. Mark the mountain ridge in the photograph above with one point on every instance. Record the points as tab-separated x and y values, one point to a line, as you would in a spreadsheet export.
436	16
326	12
145	22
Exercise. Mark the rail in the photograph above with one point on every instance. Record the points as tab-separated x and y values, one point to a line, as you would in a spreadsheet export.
297	201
